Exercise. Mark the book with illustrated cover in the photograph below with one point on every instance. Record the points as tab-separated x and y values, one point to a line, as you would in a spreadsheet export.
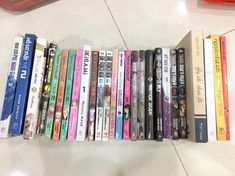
11	84
35	90
46	89
67	95
23	83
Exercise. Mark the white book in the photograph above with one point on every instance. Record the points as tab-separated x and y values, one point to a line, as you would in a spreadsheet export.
210	98
35	89
84	94
100	96
11	87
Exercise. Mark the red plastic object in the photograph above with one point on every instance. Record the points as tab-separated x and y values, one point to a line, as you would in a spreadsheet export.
222	1
18	5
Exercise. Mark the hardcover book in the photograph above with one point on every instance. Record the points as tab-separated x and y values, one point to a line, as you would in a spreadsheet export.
22	89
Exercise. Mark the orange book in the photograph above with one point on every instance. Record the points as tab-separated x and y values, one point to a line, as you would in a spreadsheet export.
60	96
225	84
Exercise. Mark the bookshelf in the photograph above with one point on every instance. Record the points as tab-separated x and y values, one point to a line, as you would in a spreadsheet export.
108	24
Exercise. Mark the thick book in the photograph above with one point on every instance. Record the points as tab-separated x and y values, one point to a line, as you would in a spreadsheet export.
75	96
84	94
53	94
141	95
113	95
192	54
46	89
35	90
149	124
174	97
218	88
92	100
67	95
134	95
11	84
120	92
225	84
210	94
127	97
107	95
22	89
100	96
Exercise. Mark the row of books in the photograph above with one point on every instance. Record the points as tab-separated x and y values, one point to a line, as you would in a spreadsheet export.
115	94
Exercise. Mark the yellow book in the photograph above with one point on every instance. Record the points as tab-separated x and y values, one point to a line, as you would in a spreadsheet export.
219	97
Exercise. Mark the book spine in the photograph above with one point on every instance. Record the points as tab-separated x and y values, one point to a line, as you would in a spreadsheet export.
225	84
84	94
141	94
46	89
120	92
100	96
219	96
158	94
11	84
174	90
68	94
166	96
127	96
21	96
149	133
53	94
210	94
134	95
32	112
113	95
92	101
75	95
181	93
107	95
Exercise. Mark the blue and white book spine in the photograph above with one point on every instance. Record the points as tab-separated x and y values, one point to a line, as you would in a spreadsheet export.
120	93
11	87
23	83
210	98
84	94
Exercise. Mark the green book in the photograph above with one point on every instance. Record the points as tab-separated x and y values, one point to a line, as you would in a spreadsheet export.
53	94
67	96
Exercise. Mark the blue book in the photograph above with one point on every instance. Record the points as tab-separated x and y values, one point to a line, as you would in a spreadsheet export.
24	75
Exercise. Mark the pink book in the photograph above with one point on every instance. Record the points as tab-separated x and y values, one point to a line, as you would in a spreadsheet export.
75	96
127	96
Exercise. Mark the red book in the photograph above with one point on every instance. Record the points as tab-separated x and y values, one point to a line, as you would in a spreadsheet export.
225	84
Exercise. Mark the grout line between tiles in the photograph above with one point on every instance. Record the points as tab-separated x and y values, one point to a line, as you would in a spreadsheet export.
110	12
228	31
179	158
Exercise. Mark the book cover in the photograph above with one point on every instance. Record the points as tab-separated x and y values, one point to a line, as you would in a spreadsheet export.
100	96
35	90
84	94
107	95
225	84
134	95
157	75
22	89
53	94
149	132
46	89
192	49
120	93
75	96
113	95
11	84
174	94
93	91
141	95
210	94
67	95
127	97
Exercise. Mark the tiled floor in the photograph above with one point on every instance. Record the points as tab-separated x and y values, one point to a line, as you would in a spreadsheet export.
106	24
